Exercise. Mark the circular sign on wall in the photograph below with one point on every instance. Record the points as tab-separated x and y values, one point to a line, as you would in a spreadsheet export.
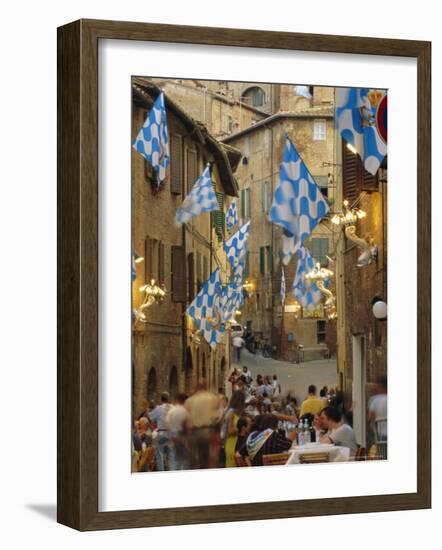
381	118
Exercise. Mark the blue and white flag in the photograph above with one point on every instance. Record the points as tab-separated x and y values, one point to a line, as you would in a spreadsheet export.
152	140
230	301
206	312
306	292
202	198
236	246
282	289
360	117
303	91
232	216
238	272
298	204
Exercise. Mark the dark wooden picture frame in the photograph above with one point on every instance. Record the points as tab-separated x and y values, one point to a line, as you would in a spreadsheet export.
77	462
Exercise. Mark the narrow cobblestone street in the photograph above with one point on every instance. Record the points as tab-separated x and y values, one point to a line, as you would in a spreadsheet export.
292	376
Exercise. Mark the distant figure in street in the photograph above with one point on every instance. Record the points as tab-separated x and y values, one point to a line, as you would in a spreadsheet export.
178	422
339	433
377	410
312	404
238	344
246	373
204	439
234	379
276	386
164	442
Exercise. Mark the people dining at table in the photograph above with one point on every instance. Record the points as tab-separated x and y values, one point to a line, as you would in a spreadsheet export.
339	433
203	430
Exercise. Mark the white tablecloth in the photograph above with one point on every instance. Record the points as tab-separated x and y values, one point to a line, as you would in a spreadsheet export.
336	454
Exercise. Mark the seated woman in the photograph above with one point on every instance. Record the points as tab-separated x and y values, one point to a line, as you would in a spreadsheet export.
267	440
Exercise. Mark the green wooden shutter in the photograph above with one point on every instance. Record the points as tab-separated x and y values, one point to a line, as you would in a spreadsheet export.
270	259
243	203
178	274
176	164
247	265
219	217
191	275
262	259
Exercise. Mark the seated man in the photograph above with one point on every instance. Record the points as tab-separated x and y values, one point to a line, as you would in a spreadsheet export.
312	404
339	433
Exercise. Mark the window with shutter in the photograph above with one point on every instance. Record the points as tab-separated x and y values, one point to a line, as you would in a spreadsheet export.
192	169
178	261
319	249
191	275
199	278
152	260
219	217
355	177
205	268
161	274
270	259
351	174
176	164
247	265
262	267
370	182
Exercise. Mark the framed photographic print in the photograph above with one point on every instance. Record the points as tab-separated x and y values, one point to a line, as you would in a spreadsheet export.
243	275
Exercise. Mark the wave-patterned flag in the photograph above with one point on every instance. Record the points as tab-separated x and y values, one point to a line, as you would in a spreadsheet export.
232	216
298	204
282	289
361	119
236	246
152	141
206	312
202	198
231	300
306	292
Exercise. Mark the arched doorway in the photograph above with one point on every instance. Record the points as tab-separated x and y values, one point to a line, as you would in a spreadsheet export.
152	385
173	382
188	372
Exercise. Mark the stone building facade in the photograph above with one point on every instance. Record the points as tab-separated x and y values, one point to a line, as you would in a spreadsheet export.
166	353
213	104
363	338
262	148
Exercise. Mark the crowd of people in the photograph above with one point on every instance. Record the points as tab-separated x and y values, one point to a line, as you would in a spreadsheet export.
208	430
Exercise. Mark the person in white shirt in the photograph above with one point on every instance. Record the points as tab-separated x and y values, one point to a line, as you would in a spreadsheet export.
377	410
163	441
238	344
178	423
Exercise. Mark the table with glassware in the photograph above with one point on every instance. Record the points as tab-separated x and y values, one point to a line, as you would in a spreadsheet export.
334	452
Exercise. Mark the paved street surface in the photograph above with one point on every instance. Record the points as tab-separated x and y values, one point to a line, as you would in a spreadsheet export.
292	376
